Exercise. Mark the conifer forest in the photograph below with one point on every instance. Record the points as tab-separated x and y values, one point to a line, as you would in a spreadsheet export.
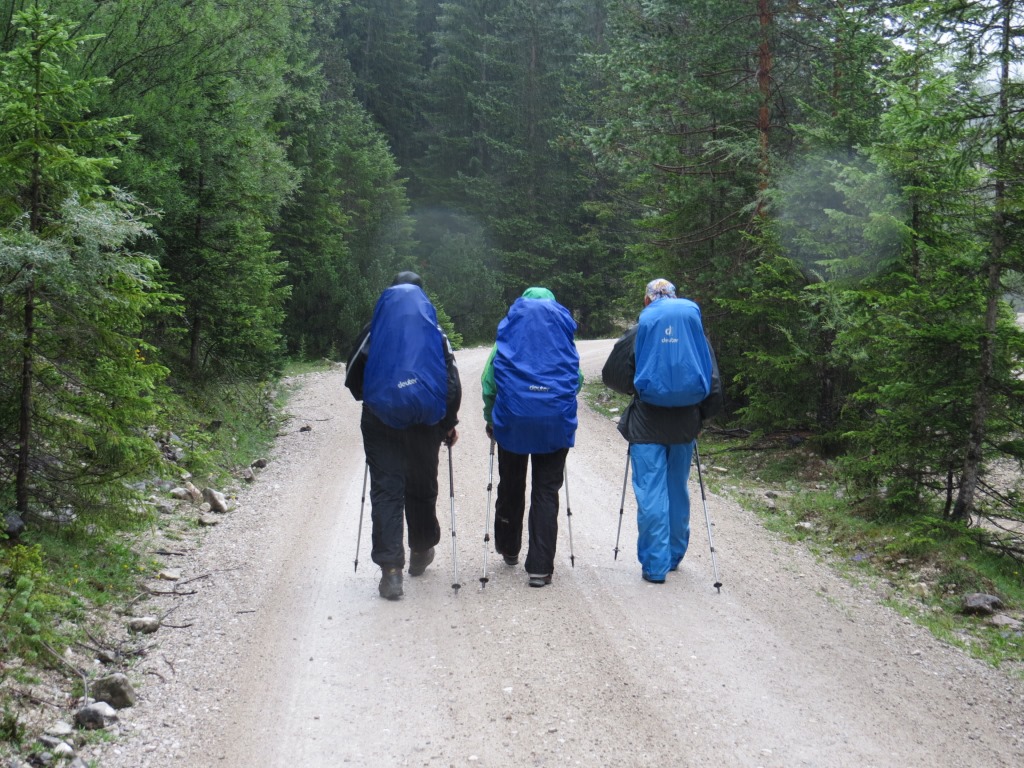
193	192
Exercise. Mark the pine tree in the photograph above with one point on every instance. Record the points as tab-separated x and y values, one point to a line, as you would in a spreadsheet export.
347	230
386	54
499	118
203	84
988	35
76	383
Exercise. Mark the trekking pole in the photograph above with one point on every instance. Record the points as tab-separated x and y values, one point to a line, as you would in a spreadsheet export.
622	505
487	513
568	514
451	495
362	503
707	518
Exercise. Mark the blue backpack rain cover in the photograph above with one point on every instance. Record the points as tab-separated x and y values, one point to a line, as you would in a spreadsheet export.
536	372
406	378
673	362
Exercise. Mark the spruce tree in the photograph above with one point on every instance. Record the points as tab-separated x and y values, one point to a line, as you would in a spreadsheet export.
77	384
202	81
346	231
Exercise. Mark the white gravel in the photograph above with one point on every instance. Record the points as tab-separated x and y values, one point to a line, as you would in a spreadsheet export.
291	659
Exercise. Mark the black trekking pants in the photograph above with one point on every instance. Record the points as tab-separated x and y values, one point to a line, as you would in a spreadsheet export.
548	472
403	476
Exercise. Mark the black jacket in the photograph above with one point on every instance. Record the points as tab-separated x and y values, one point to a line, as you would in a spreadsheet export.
356	368
645	423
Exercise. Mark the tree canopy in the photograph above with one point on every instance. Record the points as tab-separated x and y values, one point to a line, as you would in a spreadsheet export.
191	193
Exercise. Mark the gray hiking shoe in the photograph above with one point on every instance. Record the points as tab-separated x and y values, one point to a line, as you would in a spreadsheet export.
390	586
540	579
418	561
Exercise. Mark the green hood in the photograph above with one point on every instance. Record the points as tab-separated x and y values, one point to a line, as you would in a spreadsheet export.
538	293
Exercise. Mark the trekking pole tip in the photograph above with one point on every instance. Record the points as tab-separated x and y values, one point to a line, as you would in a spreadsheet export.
456	586
483	581
718	586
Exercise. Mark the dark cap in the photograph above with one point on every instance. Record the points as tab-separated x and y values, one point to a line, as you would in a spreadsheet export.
407	278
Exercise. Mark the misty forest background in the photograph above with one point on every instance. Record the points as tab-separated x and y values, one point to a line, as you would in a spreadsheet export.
193	192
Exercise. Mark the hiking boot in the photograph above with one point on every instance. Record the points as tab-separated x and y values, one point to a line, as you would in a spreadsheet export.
540	579
647	577
390	586
418	561
509	559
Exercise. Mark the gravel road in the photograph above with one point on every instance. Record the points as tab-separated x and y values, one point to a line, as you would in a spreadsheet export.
291	658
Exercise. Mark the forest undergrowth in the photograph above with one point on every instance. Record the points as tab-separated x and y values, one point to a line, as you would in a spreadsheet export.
924	564
68	586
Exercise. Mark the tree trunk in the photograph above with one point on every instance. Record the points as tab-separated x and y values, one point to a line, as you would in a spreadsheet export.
25	408
981	404
195	346
196	327
764	85
973	451
21	481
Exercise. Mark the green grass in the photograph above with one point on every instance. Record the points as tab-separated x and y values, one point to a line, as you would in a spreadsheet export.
222	429
810	503
58	583
11	730
53	578
603	400
948	559
298	367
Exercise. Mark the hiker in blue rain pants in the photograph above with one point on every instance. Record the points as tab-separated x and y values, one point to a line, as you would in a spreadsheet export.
668	367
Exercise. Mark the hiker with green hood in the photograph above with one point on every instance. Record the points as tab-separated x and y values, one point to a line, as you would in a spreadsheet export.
530	382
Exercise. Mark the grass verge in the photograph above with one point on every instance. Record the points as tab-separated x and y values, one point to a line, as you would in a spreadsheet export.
68	580
926	563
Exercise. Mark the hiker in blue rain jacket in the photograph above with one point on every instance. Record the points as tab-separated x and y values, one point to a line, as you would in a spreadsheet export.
403	458
661	437
529	387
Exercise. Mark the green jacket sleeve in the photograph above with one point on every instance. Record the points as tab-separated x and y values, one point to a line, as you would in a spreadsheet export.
487	385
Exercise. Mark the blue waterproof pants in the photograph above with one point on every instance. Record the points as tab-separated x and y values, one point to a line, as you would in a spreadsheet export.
660	476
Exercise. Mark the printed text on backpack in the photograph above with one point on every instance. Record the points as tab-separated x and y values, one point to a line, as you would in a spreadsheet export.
406	380
536	371
673	362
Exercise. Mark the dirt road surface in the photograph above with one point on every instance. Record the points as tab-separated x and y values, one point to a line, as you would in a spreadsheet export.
291	658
